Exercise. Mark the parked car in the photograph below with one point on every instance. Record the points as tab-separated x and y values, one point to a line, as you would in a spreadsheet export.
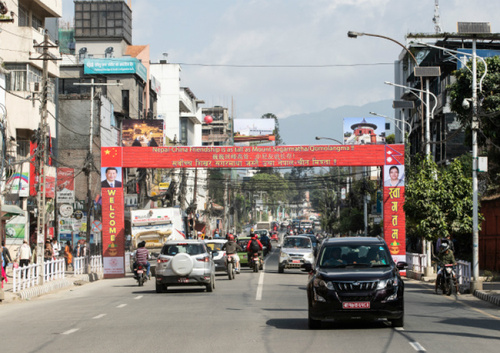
296	251
354	278
215	245
185	263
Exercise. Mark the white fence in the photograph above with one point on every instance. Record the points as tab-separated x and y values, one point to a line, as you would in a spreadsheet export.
29	276
417	263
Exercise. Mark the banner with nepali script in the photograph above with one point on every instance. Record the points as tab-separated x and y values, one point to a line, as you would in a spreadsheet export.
244	156
394	191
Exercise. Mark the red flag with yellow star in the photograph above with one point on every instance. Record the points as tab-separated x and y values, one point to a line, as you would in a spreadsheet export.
111	157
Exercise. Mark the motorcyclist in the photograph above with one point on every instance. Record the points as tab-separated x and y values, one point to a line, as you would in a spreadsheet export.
264	239
141	258
446	257
252	248
231	247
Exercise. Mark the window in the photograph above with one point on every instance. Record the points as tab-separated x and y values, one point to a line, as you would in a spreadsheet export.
24	17
23	142
17	79
140	97
183	131
126	101
36	22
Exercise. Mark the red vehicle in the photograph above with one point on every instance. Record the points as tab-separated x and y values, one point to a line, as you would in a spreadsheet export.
274	236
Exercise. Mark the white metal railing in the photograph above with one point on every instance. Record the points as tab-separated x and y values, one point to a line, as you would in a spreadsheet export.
29	276
25	277
96	264
416	262
464	274
80	265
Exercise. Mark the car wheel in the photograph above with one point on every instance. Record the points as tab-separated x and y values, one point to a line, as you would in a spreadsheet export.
281	269
211	285
182	264
313	324
159	288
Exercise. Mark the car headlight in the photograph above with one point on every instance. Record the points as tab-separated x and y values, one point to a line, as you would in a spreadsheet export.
387	283
320	282
308	256
283	254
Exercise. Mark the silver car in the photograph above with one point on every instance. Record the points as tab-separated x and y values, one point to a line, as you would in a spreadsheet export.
185	263
296	251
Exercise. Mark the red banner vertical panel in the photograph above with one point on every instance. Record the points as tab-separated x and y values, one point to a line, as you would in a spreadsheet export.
113	232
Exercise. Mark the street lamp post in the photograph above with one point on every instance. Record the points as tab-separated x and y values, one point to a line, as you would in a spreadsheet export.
329	138
403	130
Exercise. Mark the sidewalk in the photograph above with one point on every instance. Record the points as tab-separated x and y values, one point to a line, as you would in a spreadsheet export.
490	292
70	280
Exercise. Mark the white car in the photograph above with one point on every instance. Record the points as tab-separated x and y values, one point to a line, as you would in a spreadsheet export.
185	262
215	245
296	252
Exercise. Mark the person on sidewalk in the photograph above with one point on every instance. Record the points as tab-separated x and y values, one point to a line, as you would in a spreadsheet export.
56	248
24	256
68	255
6	256
3	275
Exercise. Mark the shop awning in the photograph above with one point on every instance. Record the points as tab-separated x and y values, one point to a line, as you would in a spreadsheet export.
11	210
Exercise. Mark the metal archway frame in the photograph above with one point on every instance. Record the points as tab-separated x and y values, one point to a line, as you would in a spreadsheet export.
113	233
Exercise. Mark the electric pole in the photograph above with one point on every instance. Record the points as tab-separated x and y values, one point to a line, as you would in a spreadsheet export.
42	149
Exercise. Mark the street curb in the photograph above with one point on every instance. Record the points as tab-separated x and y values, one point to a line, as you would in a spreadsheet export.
487	296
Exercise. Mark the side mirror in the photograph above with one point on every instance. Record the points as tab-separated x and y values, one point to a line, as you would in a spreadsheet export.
308	267
401	265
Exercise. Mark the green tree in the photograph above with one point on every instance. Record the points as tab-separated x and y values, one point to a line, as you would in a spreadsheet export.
488	113
278	141
438	202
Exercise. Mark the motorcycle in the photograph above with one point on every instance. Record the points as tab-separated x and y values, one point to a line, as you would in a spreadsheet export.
231	267
141	276
255	262
446	282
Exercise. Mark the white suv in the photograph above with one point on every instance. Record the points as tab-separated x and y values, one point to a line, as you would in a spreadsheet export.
185	263
296	252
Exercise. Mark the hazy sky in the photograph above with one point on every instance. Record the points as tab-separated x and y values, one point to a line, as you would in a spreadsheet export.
224	47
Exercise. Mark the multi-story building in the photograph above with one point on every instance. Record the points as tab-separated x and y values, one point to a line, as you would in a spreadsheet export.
219	132
447	136
21	48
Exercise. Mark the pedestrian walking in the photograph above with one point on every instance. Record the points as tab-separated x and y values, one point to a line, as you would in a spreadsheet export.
48	255
56	248
81	249
3	275
6	256
24	256
68	255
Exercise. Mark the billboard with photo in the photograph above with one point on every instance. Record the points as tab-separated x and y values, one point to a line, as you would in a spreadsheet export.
142	133
364	131
253	130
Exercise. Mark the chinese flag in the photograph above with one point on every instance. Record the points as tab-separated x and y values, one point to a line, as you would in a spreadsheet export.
111	156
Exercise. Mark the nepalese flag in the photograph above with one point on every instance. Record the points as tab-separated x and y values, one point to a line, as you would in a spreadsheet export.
111	156
394	154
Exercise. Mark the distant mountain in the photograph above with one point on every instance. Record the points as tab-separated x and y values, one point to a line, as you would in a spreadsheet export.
302	129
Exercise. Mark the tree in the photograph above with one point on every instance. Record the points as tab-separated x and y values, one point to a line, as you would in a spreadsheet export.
438	202
278	141
488	113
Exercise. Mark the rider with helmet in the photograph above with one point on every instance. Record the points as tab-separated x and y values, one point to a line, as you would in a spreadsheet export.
141	257
253	246
231	247
447	258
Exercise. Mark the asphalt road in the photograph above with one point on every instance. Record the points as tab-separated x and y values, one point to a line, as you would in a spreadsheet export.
257	312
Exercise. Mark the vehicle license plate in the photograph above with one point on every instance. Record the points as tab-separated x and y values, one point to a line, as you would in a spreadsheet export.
140	271
356	305
296	261
184	280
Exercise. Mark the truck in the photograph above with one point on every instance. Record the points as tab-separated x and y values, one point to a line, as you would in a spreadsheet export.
155	226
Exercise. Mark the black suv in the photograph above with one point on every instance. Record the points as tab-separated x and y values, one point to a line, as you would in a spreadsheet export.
355	278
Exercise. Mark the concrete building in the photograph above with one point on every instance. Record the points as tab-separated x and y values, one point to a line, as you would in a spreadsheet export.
219	132
21	96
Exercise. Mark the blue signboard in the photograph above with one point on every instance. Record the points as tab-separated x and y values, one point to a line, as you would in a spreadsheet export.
115	66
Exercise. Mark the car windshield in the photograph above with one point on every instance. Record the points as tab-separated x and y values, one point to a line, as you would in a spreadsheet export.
357	256
243	242
291	242
190	249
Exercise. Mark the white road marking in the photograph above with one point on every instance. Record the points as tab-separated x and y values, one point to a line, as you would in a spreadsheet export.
399	328
99	316
70	331
417	346
138	297
259	286
121	305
